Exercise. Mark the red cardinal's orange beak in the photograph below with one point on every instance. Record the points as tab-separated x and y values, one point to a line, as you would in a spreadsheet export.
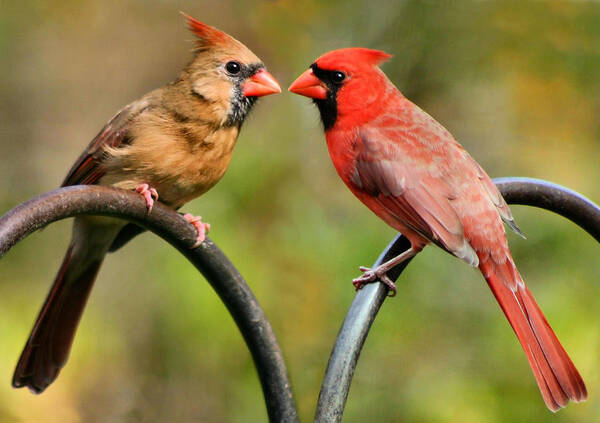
259	84
309	85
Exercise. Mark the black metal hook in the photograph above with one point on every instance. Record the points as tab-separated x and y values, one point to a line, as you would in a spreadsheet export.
207	258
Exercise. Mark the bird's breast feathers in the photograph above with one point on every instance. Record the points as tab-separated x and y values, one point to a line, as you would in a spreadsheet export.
182	161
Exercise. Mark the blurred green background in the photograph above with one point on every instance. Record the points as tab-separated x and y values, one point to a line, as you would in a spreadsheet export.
517	83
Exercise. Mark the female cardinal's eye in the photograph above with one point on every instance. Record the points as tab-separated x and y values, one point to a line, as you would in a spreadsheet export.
233	68
338	77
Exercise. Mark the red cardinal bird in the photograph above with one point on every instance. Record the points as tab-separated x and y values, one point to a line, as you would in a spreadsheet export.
411	172
176	141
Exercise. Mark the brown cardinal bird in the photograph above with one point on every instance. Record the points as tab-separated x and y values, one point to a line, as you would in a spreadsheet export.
175	141
411	172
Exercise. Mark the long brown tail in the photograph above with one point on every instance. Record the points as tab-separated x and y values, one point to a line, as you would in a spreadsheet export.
558	379
50	340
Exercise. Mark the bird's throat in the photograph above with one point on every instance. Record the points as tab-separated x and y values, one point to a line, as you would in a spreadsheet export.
328	109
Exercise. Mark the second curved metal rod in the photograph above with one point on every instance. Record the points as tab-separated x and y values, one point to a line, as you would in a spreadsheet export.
368	301
208	258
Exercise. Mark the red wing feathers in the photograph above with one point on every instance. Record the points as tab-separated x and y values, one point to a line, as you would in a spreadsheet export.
418	200
496	198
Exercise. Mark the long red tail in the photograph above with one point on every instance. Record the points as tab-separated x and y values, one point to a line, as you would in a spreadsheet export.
558	379
50	340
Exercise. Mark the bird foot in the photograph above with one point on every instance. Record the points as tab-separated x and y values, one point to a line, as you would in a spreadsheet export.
149	194
372	275
200	226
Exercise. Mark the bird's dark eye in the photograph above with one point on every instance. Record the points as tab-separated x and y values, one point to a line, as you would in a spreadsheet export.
338	77
233	68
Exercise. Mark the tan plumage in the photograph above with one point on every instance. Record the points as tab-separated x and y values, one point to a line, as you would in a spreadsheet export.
178	140
181	158
182	140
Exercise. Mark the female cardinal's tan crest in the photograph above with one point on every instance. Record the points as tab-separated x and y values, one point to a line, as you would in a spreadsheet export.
207	35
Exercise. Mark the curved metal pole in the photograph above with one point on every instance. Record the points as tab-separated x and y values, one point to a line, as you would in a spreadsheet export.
208	258
368	301
553	197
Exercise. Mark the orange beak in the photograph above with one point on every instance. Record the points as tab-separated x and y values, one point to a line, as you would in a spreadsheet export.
309	85
259	84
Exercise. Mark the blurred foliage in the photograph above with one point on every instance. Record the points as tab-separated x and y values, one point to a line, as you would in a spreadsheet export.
518	84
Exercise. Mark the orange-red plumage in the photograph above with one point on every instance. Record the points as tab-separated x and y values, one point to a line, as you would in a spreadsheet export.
412	173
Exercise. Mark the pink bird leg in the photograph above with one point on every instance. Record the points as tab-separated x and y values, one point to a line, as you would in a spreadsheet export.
200	226
149	194
380	272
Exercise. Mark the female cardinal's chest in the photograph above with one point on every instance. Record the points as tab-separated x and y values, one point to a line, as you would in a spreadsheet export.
182	161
